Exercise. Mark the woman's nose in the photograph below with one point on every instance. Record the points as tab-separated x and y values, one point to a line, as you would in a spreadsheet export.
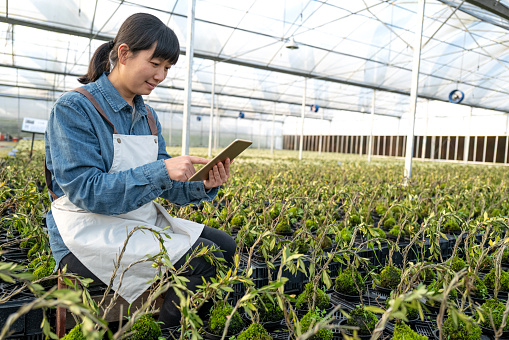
160	74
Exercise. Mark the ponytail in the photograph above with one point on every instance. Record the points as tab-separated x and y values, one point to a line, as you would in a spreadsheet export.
140	32
100	63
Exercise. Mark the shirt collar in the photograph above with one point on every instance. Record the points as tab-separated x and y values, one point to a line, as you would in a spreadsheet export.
113	97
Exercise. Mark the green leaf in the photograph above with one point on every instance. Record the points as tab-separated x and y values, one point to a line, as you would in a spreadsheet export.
374	309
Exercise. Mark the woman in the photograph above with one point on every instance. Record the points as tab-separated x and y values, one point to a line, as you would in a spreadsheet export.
106	162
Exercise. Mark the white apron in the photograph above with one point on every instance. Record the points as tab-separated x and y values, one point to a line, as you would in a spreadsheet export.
96	240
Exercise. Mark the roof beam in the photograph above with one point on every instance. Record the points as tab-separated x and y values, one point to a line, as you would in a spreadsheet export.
245	63
492	6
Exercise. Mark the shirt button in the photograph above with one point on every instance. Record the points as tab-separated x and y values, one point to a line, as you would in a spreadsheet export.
163	187
155	141
140	204
119	140
197	189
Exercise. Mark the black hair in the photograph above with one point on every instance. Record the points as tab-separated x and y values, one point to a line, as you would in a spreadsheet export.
140	32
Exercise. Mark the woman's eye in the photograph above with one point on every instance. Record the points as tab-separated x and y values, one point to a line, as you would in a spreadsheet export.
155	64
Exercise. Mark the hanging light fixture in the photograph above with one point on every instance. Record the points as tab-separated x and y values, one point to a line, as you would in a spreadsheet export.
291	44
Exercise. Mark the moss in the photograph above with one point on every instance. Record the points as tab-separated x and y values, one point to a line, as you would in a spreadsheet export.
490	279
427	274
395	231
390	277
305	299
452	226
211	222
33	250
346	284
460	331
457	264
363	319
300	246
325	243
476	285
496	309
346	235
275	210
254	332
311	319
437	287
145	328
311	225
403	332
269	310
496	213
218	317
381	210
75	334
354	220
283	226
237	220
389	223
45	268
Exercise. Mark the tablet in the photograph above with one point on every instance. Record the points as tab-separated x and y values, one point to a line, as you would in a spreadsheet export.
231	151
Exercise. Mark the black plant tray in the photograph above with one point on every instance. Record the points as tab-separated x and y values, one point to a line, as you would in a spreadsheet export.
27	324
260	275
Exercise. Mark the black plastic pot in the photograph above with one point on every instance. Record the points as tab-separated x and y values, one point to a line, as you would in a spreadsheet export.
268	325
347	297
489	332
350	333
213	336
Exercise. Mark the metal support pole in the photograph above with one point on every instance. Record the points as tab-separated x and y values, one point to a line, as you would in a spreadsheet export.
212	103
440	147
171	124
456	148
370	143
474	158
425	138
417	146
186	119
466	144
259	131
495	149
506	138
302	122
390	145
484	149
448	147
361	142
384	149
272	142
433	142
413	92
321	134
397	146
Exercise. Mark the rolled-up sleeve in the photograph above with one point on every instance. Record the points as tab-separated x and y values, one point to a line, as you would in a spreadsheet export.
181	193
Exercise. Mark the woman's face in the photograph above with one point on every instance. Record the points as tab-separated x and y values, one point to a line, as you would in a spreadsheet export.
142	73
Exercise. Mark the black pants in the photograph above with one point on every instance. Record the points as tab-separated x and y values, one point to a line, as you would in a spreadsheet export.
169	314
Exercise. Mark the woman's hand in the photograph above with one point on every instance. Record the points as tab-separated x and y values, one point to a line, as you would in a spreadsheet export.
218	175
181	168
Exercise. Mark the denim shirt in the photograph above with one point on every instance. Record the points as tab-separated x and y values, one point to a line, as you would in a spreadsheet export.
79	154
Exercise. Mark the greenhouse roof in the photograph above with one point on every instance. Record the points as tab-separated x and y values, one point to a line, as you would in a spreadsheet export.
346	49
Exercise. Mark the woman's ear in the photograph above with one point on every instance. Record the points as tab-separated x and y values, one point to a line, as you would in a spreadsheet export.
123	53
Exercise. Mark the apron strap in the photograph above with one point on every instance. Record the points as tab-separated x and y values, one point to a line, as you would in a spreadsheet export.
96	105
151	122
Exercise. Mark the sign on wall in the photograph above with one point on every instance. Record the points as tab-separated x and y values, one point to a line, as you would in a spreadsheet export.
34	125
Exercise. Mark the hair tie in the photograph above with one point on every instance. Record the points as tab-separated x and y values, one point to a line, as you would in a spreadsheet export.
111	44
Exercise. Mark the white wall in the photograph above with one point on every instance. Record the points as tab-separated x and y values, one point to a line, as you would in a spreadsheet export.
443	119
